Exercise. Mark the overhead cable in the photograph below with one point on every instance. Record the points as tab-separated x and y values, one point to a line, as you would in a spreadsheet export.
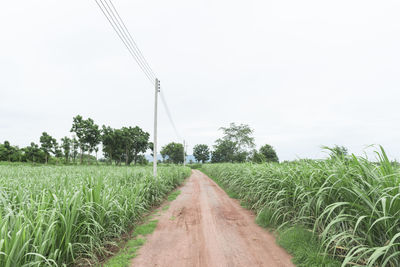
110	12
169	115
133	42
110	16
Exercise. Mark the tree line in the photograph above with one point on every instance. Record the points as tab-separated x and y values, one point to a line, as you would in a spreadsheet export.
126	144
236	145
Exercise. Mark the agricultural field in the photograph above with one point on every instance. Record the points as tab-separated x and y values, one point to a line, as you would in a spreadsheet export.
352	205
59	215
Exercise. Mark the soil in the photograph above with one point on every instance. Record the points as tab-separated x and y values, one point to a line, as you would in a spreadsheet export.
204	227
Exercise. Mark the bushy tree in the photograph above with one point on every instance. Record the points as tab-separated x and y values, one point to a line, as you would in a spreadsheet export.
9	152
34	153
74	148
107	139
79	128
141	160
201	152
241	135
47	143
88	134
173	152
269	153
5	151
136	141
92	135
66	146
125	144
113	144
140	144
224	151
14	153
235	145
57	151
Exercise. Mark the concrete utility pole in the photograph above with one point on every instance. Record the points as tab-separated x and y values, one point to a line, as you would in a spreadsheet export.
157	90
184	155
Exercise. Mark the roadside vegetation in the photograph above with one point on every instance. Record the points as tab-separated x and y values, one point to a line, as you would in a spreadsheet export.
128	250
59	215
348	204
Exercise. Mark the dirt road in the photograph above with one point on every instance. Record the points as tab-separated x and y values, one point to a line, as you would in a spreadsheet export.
204	227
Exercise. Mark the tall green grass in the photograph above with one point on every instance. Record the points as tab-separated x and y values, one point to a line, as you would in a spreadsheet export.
63	215
351	204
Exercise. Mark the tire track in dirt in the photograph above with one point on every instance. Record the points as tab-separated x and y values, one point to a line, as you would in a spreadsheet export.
205	228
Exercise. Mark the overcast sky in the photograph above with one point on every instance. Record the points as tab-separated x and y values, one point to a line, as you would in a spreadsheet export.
301	73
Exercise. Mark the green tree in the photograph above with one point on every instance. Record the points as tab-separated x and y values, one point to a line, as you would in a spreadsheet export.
113	141
57	151
239	134
173	152
47	145
201	152
66	146
79	128
92	135
234	146
107	139
127	140
224	151
269	153
33	153
9	151
125	144
88	133
74	148
118	146
139	143
141	160
5	151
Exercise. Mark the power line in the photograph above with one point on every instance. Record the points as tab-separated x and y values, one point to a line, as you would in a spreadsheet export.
129	38
140	60
169	115
122	35
133	41
110	12
107	12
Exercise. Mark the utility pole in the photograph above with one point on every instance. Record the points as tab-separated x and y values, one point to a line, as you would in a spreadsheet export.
184	154
157	90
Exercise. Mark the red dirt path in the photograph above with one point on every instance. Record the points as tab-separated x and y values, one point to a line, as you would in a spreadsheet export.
205	228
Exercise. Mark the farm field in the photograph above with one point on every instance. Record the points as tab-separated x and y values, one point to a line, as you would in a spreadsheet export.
350	203
199	133
59	215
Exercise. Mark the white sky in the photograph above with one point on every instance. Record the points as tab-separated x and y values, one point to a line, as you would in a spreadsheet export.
301	73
